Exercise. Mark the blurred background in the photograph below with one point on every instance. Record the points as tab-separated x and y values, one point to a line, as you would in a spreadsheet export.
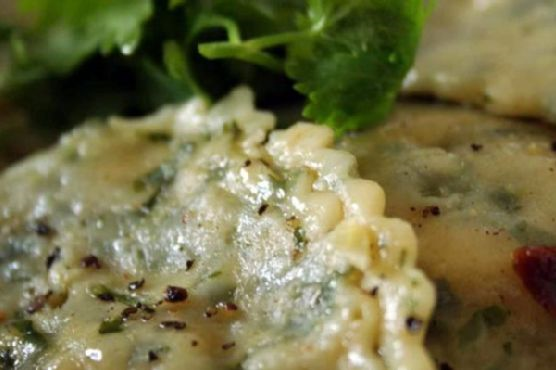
49	84
17	137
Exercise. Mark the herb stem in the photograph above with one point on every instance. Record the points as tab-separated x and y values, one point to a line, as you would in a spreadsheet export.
251	50
216	21
222	50
271	41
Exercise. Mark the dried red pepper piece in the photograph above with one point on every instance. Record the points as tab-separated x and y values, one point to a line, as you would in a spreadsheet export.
536	266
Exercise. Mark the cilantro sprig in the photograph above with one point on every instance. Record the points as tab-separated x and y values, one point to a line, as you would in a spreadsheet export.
346	58
67	32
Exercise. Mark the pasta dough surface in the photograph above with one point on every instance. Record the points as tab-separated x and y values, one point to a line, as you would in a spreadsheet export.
475	188
497	54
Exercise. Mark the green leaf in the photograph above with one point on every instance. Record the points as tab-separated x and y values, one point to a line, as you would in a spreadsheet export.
109	326
21	344
214	274
347	57
494	316
505	200
7	360
28	332
172	4
249	51
447	302
528	234
114	23
508	348
178	67
482	320
471	330
300	238
102	292
5	31
352	65
69	31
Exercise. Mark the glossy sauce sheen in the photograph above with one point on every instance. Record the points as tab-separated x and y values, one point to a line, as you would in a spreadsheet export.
198	237
476	189
498	54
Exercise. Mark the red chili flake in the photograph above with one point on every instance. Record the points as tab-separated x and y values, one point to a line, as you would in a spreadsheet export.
53	257
147	316
152	356
536	266
476	147
228	345
413	325
147	308
37	303
91	262
175	294
43	229
296	255
445	366
210	312
136	285
106	297
431	210
262	209
266	139
228	306
128	312
172	324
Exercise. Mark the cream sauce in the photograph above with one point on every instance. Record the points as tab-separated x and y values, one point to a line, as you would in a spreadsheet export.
474	187
283	251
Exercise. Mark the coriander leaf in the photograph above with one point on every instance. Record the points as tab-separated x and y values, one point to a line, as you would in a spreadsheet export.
111	325
228	23
21	343
100	85
7	360
471	330
172	4
255	18
352	64
5	31
114	23
495	315
482	320
177	66
233	48
67	32
28	332
347	57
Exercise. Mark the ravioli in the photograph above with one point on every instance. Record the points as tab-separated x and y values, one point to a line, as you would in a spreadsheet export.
199	237
475	188
497	54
